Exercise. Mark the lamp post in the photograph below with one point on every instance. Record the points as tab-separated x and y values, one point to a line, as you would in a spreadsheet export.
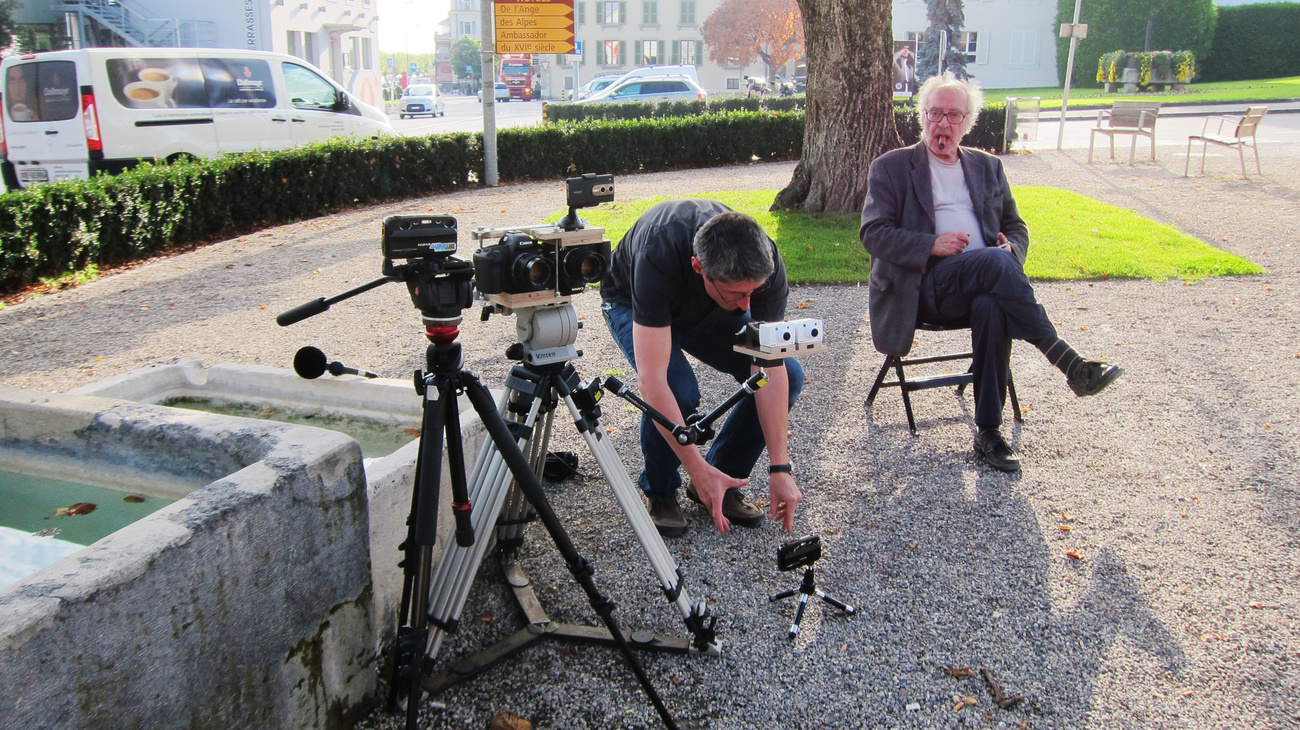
1069	70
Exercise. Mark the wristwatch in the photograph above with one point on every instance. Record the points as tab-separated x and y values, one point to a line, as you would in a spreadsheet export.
780	469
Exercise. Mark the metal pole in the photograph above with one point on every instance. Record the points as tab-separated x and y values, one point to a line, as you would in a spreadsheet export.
1069	71
489	95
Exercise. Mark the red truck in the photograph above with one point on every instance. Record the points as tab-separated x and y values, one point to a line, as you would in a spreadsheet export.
517	75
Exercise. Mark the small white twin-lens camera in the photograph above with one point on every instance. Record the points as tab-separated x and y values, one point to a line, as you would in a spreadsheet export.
807	331
775	334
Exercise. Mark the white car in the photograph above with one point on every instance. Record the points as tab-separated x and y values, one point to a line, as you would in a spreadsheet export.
649	88
502	92
421	99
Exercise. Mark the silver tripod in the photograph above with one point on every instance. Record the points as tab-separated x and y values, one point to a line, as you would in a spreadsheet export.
543	378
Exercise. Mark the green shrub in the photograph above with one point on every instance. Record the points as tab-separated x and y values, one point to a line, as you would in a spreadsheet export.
51	229
1254	42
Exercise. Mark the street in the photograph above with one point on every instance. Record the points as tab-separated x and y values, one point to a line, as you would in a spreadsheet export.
465	114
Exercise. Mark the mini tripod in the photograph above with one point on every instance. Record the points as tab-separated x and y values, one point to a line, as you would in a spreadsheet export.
802	553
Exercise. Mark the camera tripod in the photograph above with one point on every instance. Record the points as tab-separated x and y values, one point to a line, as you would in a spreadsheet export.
535	388
432	597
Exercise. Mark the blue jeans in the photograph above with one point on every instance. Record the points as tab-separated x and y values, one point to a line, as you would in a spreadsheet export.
739	442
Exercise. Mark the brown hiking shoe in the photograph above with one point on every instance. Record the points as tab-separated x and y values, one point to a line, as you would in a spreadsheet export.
735	506
667	517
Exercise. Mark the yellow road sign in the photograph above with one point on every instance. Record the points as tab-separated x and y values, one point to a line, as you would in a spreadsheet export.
525	23
535	46
533	9
509	35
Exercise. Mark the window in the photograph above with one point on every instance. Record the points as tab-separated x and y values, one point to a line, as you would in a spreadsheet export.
649	53
968	43
1024	49
367	53
650	12
733	83
688	12
355	60
609	53
466	5
580	12
309	53
306	89
687	52
612	11
293	43
469	28
45	91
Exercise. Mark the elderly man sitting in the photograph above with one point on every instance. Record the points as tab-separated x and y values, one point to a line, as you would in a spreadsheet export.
948	246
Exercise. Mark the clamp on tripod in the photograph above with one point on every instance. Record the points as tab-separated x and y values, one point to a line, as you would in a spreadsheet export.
802	553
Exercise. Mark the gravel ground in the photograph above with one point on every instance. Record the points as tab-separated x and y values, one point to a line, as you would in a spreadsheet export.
1178	485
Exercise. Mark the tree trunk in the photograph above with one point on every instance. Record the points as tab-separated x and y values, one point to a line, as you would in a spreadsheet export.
849	120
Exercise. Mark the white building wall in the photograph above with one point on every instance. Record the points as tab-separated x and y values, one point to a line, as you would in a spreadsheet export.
1015	39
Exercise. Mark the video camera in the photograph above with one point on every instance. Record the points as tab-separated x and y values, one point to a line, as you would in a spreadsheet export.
538	263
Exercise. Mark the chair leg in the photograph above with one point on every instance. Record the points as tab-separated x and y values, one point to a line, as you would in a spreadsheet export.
1092	140
1188	165
1255	148
1204	145
890	361
1015	402
1132	149
907	397
1153	145
1241	157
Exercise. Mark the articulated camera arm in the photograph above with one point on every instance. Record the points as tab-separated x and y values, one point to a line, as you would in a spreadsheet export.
316	306
698	429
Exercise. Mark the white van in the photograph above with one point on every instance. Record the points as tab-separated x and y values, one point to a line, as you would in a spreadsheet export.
72	114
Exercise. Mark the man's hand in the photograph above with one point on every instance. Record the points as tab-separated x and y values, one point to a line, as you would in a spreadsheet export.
947	244
784	496
711	485
1003	243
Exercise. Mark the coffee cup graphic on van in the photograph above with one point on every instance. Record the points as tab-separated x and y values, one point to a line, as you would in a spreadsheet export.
145	94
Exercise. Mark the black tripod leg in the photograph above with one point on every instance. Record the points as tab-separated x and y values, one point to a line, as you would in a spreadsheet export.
798	614
481	398
841	605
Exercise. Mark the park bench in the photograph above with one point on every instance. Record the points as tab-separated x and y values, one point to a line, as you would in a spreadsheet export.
1136	118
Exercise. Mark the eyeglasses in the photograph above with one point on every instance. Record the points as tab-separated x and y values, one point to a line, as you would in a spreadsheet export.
954	118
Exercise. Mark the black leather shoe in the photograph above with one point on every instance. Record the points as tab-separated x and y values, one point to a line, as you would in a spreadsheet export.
1092	377
995	451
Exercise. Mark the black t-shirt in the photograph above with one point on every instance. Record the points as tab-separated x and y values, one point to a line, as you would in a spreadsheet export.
651	270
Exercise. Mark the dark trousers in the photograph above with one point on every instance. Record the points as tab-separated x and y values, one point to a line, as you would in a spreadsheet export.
740	441
989	288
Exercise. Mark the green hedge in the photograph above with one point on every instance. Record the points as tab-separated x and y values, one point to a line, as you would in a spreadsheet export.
51	229
1254	42
576	112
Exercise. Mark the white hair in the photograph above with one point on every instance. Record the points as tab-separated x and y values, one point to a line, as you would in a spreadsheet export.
974	96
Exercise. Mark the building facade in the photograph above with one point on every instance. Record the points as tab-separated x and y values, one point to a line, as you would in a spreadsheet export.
1009	43
337	36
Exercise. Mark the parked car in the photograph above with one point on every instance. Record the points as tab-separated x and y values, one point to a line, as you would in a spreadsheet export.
421	99
597	84
502	93
653	88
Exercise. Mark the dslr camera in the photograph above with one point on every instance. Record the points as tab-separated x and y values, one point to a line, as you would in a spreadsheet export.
542	262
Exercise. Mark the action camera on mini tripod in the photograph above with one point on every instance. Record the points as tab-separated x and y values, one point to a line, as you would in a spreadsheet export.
802	553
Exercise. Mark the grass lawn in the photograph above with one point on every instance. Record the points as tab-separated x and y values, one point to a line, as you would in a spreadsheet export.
1282	89
1071	237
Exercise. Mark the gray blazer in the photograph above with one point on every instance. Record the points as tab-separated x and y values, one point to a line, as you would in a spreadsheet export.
898	231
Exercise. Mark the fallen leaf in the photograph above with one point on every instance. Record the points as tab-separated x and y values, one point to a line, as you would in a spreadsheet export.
804	305
412	432
1073	555
79	508
957	672
1064	528
133	498
1066	517
266	412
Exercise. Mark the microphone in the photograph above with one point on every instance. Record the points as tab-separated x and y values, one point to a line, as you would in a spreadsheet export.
310	363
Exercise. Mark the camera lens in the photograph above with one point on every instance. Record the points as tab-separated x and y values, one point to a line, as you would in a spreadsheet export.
534	271
584	264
